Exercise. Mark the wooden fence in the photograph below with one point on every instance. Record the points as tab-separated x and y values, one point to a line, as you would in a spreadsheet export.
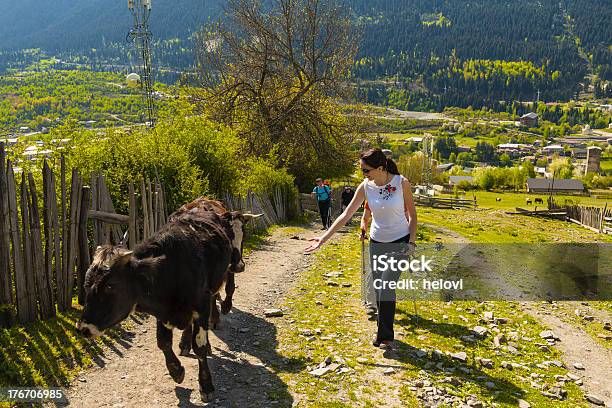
277	206
596	219
46	238
443	202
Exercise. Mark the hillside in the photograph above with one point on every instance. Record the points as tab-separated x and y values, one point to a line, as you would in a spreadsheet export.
62	25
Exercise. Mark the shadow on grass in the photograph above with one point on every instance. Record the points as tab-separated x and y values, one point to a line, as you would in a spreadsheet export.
412	322
50	352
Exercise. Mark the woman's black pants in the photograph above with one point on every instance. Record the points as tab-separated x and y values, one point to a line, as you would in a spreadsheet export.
385	297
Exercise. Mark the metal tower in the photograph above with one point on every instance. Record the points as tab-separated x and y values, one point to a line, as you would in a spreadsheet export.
141	36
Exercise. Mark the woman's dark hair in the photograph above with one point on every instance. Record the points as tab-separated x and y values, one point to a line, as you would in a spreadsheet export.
376	158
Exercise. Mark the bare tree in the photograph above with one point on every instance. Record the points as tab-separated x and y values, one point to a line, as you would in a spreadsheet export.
274	68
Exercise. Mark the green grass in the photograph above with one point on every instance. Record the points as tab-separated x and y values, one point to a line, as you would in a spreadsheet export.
346	333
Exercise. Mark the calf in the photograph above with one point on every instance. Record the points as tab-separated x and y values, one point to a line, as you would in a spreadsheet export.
174	276
237	265
528	201
538	200
497	199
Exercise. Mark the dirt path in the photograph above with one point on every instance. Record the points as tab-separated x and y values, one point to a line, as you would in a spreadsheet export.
135	374
577	346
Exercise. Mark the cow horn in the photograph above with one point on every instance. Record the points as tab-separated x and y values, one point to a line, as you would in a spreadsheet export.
124	240
248	216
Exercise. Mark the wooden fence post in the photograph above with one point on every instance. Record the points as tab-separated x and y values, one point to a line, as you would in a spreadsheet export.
83	245
29	286
49	198
43	285
75	194
65	303
6	284
20	282
133	217
145	210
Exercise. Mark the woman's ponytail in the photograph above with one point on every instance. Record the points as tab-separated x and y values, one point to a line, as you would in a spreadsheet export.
392	167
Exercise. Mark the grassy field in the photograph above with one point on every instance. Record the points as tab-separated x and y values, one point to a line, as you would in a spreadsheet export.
509	200
328	322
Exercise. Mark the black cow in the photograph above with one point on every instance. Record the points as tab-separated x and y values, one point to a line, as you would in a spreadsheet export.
174	276
539	200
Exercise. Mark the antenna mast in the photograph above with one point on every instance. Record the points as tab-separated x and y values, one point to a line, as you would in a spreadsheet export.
141	35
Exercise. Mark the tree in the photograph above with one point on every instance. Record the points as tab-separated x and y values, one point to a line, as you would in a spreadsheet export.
271	70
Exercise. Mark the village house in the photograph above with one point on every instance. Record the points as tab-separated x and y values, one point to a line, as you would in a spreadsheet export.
554	186
514	149
454	180
529	120
552	149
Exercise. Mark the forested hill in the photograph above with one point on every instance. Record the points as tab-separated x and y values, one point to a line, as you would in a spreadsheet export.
61	25
414	54
477	52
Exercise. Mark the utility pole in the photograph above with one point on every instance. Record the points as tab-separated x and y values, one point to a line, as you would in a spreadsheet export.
141	36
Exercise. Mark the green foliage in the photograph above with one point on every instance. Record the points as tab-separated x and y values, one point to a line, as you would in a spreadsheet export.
489	178
41	99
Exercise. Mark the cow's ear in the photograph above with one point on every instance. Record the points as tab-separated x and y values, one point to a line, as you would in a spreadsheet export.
248	217
122	259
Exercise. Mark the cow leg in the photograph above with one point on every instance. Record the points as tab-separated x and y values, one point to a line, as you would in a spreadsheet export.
215	317
201	347
230	287
164	342
185	343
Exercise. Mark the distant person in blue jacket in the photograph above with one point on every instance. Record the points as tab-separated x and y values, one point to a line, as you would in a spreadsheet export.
323	195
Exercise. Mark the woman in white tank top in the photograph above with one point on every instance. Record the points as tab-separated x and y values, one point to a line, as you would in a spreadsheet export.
389	198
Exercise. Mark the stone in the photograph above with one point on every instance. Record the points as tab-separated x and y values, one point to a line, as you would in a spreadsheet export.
485	362
490	385
506	365
461	356
389	371
332	283
273	313
420	353
513	350
523	404
589	318
501	320
437	354
498	340
319	372
480	331
578	366
547	334
607	326
488	316
593	399
572	377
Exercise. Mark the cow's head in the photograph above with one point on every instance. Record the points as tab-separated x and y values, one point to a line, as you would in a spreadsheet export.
113	284
238	220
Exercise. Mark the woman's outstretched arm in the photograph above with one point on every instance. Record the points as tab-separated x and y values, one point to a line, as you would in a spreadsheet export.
354	205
